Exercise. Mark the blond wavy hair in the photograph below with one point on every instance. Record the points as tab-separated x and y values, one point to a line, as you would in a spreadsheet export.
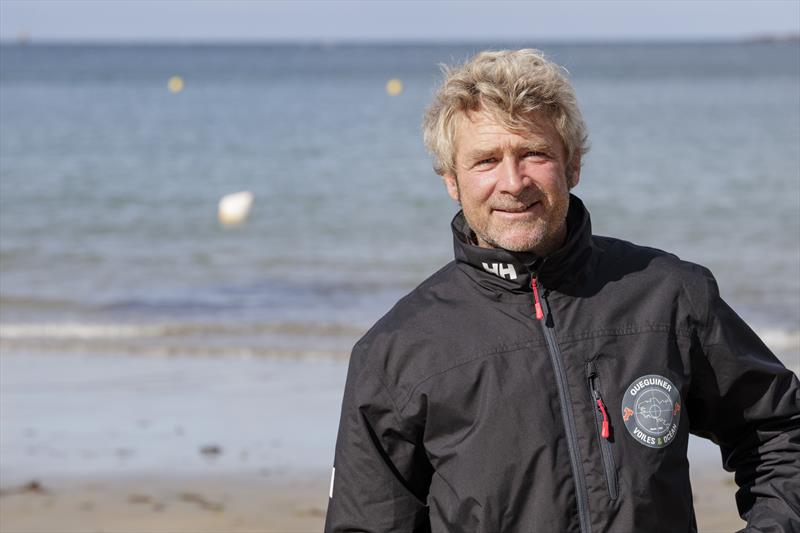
518	88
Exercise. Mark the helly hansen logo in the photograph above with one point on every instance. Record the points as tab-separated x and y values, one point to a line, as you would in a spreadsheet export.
502	270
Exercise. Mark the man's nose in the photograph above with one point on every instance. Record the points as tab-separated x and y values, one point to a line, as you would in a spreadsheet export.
511	179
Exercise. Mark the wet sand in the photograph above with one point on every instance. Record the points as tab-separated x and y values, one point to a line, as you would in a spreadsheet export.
132	444
139	444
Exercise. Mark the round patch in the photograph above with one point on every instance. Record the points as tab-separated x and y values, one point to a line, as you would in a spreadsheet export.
651	410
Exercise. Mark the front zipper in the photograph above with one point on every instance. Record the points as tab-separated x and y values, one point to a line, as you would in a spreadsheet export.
603	430
566	409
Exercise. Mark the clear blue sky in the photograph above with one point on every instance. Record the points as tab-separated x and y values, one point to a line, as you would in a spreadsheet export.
262	20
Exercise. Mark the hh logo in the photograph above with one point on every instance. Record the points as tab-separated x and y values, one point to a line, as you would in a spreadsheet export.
501	270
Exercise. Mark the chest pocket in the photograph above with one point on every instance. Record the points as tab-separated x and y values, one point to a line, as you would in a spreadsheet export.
635	389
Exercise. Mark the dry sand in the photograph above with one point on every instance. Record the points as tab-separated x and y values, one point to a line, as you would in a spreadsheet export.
234	505
168	505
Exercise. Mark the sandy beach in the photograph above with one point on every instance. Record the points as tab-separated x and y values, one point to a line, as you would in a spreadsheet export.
176	444
139	444
202	504
227	504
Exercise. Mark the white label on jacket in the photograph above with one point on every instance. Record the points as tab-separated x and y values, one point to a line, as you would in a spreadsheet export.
651	410
333	473
501	270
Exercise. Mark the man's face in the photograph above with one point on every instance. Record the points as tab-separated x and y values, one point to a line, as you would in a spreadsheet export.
513	187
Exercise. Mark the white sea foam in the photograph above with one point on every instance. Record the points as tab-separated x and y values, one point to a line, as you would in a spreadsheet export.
99	330
77	331
778	339
282	340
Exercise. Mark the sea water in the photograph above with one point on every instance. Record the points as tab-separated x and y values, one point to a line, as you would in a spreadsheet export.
109	184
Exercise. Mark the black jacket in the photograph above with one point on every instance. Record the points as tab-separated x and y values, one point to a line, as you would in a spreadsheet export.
464	412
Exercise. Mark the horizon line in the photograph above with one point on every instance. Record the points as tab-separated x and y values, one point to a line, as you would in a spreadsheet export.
785	37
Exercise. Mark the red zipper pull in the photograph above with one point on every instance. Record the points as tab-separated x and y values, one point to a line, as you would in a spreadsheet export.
604	432
536	303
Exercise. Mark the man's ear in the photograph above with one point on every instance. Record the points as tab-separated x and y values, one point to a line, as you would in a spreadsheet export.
452	186
574	172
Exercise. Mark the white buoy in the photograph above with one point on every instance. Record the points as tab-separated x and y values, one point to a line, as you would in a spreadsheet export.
234	208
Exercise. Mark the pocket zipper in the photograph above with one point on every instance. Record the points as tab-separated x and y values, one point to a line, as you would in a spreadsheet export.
603	430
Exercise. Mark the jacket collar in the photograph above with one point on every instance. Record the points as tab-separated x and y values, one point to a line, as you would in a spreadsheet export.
500	271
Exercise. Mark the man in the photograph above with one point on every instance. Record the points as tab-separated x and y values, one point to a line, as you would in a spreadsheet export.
547	380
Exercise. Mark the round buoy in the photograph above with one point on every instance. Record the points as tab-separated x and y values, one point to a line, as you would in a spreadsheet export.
394	87
175	84
234	208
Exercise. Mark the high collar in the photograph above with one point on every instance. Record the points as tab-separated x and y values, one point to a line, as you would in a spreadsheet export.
502	272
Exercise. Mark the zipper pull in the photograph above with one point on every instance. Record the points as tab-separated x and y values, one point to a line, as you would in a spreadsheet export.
604	431
537	305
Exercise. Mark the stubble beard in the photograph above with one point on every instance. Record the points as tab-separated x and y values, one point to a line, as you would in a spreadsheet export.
541	236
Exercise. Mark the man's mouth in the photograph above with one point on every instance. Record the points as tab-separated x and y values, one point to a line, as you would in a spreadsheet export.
514	210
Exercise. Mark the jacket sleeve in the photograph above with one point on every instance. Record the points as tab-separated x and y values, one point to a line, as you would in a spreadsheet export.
381	475
748	403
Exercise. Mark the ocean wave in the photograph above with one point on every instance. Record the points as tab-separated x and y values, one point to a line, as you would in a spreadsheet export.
239	339
88	331
77	331
117	348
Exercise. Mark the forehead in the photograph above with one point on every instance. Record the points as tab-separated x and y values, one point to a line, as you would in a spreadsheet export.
481	130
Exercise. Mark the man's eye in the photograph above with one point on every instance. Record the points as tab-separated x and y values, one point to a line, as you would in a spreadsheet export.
487	161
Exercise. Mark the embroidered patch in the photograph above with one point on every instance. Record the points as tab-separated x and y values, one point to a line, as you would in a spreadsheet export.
651	410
